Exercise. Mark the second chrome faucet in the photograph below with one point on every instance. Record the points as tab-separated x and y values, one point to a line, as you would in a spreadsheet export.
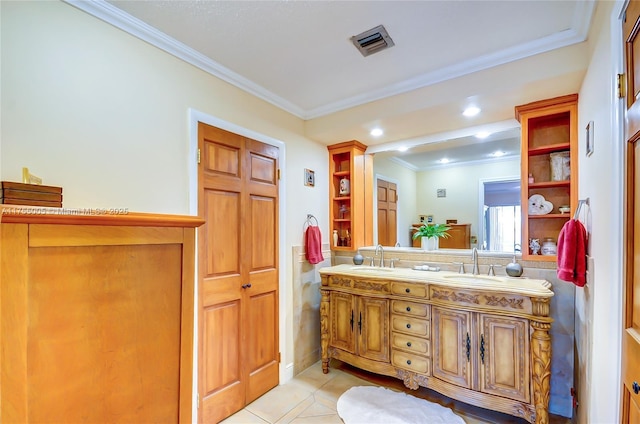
474	257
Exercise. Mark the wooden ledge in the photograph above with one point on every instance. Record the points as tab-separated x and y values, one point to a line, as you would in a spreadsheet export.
18	214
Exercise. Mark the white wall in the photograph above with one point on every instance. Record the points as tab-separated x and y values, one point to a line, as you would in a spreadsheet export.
405	178
461	183
599	303
90	108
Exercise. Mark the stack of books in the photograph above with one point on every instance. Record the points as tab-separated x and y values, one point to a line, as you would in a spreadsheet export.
30	194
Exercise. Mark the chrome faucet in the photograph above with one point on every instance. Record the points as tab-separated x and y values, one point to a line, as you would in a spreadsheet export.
474	257
379	248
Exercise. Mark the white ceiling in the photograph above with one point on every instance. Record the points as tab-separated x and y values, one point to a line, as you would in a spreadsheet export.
298	56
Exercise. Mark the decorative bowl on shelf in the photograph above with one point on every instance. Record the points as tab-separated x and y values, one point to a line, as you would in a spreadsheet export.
564	209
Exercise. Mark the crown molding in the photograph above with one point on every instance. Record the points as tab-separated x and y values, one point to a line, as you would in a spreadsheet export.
122	20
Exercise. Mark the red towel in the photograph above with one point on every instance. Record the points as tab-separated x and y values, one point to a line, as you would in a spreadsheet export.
313	241
572	253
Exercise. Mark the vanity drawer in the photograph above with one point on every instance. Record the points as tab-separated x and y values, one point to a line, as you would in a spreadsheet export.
411	362
409	325
410	289
410	308
411	344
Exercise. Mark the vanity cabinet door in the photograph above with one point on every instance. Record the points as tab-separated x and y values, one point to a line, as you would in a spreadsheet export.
504	356
452	346
373	328
343	321
360	325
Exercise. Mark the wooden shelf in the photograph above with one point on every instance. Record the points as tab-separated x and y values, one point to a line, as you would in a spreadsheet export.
551	216
341	173
543	150
550	184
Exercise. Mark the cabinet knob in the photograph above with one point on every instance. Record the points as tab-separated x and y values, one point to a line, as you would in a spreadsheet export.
408	361
636	387
407	290
246	286
408	308
408	325
409	344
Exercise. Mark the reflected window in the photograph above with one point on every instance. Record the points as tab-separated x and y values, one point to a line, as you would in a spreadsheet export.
502	228
501	217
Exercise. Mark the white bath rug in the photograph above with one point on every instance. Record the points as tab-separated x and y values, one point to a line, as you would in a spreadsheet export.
370	404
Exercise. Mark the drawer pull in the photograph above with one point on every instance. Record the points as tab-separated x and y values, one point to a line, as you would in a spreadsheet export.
408	325
636	387
408	308
409	344
407	290
408	361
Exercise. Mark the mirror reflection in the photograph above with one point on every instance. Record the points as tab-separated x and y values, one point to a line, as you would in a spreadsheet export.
471	182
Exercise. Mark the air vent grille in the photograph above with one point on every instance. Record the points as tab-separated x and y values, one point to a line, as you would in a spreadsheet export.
372	41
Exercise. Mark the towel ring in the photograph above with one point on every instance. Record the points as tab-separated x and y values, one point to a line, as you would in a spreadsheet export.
309	221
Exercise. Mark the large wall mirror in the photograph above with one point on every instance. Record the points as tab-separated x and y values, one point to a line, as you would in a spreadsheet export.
469	179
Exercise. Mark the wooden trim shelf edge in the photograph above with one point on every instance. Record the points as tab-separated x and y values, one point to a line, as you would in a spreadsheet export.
543	150
16	214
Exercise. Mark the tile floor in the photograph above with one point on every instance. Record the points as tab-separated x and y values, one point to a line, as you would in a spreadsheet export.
311	396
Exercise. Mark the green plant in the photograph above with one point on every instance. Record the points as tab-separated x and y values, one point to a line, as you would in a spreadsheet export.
433	230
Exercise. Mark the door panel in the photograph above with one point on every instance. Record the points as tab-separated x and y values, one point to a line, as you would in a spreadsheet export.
238	271
342	321
451	329
374	336
263	227
504	371
222	228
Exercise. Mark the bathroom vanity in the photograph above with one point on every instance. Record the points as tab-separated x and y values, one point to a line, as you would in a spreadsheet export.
483	340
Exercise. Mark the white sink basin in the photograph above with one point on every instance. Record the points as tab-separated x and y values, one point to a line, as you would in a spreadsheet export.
366	268
474	278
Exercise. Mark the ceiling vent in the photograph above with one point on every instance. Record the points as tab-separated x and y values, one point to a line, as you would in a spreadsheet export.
372	41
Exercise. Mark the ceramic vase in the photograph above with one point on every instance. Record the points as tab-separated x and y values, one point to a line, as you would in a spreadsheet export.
429	243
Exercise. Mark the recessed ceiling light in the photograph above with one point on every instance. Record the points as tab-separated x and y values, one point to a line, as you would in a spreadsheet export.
376	132
471	111
444	160
498	153
483	134
403	149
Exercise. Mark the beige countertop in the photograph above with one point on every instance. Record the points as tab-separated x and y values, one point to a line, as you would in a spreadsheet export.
518	285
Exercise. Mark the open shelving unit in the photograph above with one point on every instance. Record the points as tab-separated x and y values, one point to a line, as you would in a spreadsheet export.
548	126
351	214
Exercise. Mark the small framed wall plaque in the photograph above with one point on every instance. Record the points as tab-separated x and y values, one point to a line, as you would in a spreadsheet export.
589	138
309	178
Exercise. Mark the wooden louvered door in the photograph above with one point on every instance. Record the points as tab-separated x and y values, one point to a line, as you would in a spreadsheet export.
238	271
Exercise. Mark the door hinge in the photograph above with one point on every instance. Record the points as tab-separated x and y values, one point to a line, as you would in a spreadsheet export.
198	155
621	86
279	357
197	400
278	173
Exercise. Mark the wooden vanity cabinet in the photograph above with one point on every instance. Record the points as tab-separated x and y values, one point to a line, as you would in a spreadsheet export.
487	348
495	350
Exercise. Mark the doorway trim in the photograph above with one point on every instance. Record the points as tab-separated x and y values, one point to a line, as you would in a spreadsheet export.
195	116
